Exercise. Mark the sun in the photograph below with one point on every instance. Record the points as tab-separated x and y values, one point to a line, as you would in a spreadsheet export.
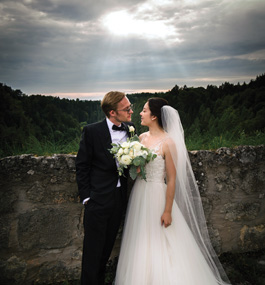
119	23
124	24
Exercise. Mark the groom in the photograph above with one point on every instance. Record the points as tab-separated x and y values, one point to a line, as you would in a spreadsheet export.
101	190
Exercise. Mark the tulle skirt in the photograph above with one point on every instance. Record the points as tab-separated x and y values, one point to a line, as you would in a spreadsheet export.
152	254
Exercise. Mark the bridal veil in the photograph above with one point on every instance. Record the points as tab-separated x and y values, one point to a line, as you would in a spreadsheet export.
187	194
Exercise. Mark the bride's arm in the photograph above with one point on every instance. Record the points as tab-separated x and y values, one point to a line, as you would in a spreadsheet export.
166	218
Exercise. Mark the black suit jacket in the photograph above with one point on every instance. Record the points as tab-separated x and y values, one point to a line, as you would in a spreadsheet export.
96	169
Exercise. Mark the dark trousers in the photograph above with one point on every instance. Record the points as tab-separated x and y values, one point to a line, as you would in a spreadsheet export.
101	225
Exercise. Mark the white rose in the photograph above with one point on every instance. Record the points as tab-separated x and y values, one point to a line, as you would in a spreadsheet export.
126	151
131	153
137	146
131	129
125	159
120	152
142	153
125	145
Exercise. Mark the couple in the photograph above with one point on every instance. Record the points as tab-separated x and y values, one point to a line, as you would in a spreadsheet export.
165	239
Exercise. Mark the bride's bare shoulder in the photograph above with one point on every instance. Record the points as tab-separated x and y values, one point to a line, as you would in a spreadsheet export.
168	144
169	141
142	136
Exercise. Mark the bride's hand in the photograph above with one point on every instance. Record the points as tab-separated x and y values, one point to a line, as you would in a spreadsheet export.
166	219
138	169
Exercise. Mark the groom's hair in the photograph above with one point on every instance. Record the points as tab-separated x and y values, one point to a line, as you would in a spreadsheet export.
110	101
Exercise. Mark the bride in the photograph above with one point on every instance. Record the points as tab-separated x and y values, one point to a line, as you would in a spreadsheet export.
165	239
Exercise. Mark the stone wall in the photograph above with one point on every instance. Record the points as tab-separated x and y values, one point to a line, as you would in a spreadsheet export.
41	217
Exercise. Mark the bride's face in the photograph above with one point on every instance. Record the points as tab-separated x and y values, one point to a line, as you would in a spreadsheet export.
146	116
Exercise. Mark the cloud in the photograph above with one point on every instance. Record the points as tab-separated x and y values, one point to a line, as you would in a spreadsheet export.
63	46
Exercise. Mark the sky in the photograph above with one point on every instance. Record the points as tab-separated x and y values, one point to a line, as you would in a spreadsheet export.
86	48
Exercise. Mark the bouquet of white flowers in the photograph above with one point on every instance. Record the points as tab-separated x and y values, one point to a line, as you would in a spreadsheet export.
132	153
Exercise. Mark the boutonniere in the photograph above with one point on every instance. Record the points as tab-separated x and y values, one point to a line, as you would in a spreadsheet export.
131	130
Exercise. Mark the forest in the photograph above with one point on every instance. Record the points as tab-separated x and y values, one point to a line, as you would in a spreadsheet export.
216	116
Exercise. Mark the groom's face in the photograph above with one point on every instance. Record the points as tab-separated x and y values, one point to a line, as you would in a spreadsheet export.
123	112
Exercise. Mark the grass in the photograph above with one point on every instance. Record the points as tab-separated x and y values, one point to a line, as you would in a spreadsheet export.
194	142
42	148
206	141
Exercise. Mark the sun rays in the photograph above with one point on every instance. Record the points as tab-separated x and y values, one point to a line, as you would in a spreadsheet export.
122	23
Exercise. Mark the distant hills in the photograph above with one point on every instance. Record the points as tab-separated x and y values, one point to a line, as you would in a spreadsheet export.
226	113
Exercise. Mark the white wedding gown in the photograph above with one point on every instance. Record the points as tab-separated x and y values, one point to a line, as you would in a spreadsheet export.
150	253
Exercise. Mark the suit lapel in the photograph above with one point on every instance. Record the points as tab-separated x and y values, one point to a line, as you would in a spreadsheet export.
105	139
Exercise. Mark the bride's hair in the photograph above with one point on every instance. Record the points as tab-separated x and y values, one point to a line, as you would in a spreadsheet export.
155	106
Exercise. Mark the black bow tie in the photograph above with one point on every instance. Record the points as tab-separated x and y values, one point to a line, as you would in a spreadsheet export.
121	128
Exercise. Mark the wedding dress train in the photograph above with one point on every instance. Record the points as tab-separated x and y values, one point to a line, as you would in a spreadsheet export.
150	253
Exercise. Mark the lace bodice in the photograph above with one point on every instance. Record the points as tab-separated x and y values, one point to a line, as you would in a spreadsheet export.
156	169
